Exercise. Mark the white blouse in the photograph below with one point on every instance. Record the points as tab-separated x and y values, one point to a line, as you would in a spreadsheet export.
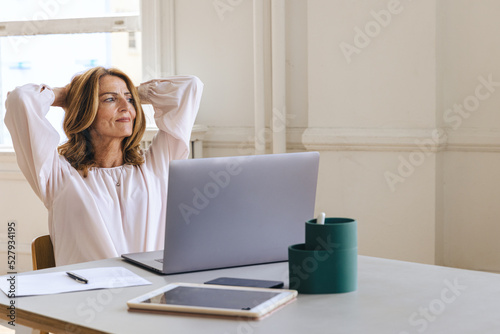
92	218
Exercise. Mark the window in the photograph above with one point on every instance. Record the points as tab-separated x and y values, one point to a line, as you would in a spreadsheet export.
48	41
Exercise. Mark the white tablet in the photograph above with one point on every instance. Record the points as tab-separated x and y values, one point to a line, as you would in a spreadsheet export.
213	299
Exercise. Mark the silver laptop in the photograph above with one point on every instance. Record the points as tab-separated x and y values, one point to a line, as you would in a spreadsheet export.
234	211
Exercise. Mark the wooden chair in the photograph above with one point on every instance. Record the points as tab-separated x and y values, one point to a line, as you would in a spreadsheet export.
42	253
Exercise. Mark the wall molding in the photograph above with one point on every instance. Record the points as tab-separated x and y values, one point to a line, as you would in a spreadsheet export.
474	140
242	139
362	139
434	139
359	139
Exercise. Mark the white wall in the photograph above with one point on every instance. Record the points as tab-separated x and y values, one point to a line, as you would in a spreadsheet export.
472	180
374	89
419	194
20	204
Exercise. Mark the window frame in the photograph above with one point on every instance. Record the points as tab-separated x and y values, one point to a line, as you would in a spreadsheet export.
126	22
111	23
156	22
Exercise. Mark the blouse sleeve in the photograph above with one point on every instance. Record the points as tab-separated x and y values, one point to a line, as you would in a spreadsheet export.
176	101
35	140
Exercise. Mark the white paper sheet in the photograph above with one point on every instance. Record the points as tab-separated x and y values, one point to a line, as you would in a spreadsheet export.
60	282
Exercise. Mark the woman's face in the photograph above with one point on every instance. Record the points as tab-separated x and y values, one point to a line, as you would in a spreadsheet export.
116	112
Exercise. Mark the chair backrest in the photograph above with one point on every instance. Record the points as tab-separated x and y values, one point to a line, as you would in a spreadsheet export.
42	253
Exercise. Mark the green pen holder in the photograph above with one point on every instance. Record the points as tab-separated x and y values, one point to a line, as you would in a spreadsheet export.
328	261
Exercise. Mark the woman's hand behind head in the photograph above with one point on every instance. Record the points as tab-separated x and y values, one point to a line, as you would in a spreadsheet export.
60	96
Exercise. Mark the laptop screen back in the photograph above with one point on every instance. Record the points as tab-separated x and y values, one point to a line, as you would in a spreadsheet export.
234	211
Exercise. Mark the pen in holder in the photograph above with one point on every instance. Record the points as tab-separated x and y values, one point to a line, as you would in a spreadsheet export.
327	262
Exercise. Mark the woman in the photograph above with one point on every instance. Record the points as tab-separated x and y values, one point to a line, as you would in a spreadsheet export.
105	197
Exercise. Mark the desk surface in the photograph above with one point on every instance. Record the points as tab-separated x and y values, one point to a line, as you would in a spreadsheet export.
393	297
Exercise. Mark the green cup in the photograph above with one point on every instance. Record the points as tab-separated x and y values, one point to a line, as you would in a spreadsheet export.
327	262
335	234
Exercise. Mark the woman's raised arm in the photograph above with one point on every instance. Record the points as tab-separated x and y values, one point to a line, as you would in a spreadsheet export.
60	96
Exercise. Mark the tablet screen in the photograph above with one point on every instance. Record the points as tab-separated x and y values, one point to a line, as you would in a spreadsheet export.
217	298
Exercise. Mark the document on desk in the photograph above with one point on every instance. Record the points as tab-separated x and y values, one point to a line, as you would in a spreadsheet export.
60	282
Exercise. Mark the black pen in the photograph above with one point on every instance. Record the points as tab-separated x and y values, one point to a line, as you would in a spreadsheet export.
77	278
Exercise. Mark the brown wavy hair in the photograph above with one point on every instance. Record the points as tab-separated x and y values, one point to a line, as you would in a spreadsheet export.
81	105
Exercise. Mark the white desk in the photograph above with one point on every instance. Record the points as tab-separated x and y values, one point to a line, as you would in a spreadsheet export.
393	297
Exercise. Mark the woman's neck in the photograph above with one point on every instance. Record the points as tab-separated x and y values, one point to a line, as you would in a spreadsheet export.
108	155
